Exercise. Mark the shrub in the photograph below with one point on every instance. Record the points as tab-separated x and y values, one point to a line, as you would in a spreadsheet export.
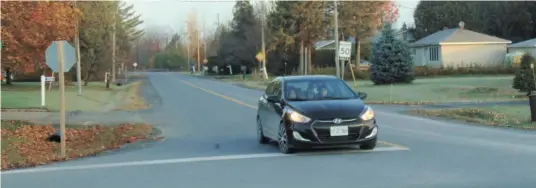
391	60
524	79
425	71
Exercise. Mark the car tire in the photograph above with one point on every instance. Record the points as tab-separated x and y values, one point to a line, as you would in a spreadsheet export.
260	134
369	145
283	140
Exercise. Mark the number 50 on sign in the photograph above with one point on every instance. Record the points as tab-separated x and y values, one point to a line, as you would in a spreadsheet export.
345	49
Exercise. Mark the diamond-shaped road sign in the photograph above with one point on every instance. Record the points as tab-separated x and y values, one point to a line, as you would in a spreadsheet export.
69	56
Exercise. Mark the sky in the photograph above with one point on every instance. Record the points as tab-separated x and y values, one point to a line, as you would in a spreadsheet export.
170	15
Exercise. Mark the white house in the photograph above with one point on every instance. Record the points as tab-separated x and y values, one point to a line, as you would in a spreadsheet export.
459	47
528	46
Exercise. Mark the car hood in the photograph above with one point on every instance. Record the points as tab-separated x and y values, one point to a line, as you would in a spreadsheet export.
329	108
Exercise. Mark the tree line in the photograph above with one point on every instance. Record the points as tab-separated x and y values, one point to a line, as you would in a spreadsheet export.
28	28
289	28
512	20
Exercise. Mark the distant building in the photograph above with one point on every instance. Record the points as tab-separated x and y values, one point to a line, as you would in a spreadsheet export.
459	47
528	46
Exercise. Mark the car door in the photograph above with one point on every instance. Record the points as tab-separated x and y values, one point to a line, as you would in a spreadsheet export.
264	107
274	109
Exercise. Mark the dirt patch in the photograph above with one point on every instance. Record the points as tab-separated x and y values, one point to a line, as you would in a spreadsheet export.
25	110
483	90
405	103
478	115
26	144
133	100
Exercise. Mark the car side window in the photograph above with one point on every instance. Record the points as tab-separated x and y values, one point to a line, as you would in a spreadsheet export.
269	89
277	89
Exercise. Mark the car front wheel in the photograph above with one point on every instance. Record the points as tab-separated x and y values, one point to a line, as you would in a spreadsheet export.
283	140
369	145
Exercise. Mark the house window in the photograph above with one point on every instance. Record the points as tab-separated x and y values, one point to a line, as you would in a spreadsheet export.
433	53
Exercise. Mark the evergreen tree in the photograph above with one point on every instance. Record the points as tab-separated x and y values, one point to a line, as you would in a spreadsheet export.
243	42
524	79
391	60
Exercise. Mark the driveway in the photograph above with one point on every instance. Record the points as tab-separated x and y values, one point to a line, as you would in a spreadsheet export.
210	142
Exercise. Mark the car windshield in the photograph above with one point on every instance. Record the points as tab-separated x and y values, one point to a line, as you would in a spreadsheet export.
317	89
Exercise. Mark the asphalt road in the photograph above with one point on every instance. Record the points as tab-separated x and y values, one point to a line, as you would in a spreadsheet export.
210	142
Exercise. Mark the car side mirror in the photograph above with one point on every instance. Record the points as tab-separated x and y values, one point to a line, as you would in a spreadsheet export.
362	95
273	99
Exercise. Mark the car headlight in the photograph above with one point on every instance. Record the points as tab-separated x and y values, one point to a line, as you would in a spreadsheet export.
368	114
297	117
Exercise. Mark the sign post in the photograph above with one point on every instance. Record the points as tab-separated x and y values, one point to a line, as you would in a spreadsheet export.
60	56
43	86
135	65
344	53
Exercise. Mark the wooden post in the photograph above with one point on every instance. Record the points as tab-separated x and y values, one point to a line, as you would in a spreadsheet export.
62	97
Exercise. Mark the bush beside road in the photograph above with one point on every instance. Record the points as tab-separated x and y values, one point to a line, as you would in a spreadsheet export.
501	116
95	97
26	144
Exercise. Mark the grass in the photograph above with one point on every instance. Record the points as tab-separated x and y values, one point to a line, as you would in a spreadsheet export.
434	90
501	116
25	144
94	97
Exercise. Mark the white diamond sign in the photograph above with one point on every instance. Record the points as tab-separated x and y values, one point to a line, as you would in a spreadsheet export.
52	59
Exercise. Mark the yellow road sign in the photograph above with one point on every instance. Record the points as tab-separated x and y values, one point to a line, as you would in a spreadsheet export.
259	56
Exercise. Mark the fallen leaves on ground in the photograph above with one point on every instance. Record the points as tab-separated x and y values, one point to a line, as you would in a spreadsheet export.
25	144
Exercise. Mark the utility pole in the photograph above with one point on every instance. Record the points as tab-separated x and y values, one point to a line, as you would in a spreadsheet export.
204	41
78	63
198	55
217	29
336	32
265	73
113	43
188	47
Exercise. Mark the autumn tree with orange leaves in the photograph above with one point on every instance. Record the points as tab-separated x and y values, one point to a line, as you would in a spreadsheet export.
28	28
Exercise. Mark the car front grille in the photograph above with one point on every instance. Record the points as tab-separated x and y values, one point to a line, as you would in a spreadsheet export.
321	128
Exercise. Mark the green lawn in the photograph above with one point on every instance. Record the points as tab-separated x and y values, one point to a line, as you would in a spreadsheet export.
95	97
434	90
446	89
503	115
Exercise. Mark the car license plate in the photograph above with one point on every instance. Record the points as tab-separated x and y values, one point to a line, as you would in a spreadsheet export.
338	130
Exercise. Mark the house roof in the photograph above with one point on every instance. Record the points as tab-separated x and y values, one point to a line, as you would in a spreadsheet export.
454	36
525	44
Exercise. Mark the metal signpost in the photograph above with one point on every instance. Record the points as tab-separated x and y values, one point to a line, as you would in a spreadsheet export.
205	68
345	53
60	56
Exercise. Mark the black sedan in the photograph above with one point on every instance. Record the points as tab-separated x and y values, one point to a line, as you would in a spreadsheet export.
314	111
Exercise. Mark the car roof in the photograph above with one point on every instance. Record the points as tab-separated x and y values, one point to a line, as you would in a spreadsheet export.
308	77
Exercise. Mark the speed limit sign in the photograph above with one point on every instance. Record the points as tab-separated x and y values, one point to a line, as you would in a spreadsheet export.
345	50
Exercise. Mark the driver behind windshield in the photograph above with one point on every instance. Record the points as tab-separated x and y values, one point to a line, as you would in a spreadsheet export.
292	92
323	90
